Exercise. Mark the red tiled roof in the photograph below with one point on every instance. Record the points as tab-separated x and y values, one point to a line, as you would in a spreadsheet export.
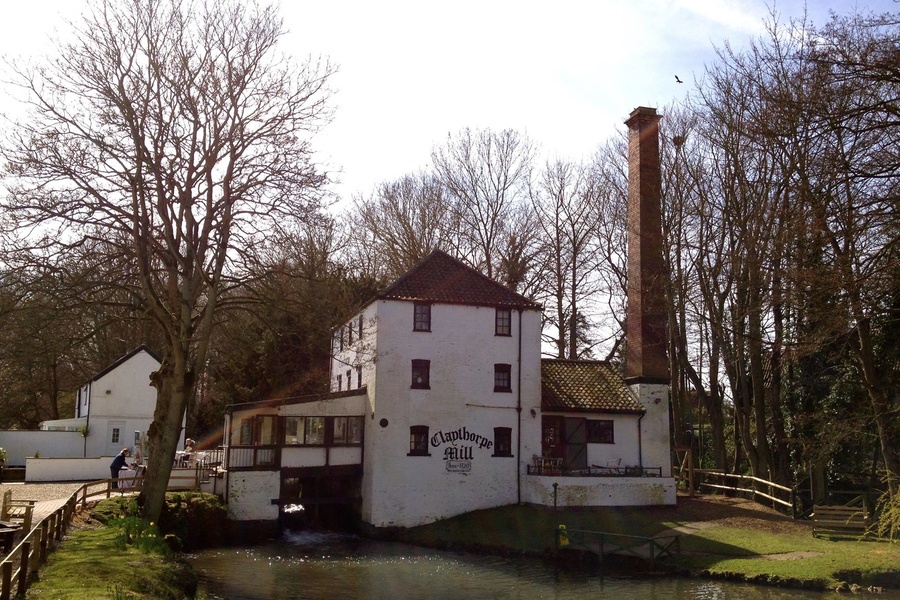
442	278
586	386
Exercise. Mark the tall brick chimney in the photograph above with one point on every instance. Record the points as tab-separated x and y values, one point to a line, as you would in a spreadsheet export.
645	332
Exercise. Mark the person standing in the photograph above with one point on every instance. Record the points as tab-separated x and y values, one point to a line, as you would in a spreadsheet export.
116	465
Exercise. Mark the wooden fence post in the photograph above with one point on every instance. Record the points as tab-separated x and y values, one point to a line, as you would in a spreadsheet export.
59	525
23	568
6	582
45	534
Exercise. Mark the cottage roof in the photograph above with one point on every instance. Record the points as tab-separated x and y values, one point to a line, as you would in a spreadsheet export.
441	278
585	386
124	358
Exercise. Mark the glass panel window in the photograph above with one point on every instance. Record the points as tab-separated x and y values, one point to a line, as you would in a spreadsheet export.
293	431
267	432
421	317
503	322
115	435
600	432
340	430
502	441
421	374
418	440
315	431
246	435
502	378
354	430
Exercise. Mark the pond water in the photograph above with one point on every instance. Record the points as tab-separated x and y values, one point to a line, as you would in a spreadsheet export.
342	567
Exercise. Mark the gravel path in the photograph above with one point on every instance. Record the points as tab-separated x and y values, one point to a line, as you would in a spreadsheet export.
39	492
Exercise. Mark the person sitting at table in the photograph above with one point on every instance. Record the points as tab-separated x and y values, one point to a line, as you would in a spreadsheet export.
186	453
117	464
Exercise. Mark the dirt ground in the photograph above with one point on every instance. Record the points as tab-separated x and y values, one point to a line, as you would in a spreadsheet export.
736	512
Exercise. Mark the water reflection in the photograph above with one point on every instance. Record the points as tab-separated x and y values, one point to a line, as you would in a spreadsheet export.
342	567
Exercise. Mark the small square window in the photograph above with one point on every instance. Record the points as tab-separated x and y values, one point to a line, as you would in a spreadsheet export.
502	441
503	322
502	378
600	431
418	440
421	317
421	374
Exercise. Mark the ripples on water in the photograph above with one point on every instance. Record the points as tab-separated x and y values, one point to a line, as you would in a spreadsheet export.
312	565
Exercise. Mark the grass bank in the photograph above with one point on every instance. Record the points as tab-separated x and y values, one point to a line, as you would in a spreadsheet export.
730	538
91	563
111	553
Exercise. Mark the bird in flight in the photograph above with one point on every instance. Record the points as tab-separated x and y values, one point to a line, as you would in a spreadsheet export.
678	79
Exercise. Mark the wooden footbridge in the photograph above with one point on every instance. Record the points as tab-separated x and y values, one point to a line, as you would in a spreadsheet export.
604	544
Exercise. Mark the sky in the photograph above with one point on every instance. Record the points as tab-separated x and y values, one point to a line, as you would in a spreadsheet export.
567	73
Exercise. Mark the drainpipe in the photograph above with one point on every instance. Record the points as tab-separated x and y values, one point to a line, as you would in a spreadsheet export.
87	419
519	417
226	450
640	442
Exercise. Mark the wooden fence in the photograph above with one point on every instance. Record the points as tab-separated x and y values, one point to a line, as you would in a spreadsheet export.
779	495
19	566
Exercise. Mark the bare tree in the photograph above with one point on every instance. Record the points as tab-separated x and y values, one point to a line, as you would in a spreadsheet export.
402	222
564	198
486	174
176	134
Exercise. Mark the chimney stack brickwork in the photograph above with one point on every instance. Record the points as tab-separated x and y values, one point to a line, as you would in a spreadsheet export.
646	366
645	333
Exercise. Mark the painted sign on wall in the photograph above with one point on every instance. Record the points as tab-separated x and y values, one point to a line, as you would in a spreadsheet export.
460	448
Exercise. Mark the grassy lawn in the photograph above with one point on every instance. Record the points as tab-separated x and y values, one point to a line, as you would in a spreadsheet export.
738	539
92	563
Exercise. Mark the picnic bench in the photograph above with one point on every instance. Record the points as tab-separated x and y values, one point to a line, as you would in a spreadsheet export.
840	520
20	511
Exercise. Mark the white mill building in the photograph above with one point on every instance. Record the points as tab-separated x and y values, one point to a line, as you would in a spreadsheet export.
440	402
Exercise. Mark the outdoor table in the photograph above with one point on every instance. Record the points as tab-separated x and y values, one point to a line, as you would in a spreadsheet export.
8	537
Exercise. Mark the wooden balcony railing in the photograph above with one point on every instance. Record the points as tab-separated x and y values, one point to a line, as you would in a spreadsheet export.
253	458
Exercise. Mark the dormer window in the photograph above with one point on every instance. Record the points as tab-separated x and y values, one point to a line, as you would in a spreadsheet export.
421	317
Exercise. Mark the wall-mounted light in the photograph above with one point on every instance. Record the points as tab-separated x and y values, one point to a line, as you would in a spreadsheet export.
533	413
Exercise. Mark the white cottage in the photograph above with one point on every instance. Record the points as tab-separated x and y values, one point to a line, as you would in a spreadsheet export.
115	406
440	403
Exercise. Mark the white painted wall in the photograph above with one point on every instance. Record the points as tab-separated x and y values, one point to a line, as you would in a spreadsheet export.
121	399
655	440
22	445
600	491
402	490
625	449
123	396
250	495
67	469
